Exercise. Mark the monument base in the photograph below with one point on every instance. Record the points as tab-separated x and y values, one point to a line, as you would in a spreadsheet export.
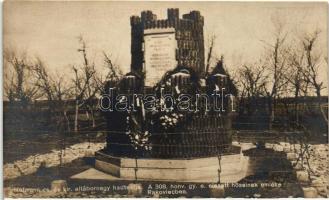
233	168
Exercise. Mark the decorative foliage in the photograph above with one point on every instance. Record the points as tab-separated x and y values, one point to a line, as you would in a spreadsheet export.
170	120
165	81
136	131
139	139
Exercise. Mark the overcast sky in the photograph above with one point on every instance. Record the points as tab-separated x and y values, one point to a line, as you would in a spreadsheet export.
50	29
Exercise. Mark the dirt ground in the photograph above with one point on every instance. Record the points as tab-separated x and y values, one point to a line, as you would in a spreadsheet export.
43	168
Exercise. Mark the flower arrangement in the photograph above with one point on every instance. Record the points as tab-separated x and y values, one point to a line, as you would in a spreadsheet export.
139	123
170	120
136	130
139	139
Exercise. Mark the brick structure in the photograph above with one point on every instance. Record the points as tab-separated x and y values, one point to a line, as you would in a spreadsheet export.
196	134
188	34
170	145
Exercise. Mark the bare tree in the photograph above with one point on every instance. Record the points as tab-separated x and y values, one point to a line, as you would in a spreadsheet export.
61	89
112	75
18	86
252	81
295	74
9	88
54	90
44	81
313	61
114	72
88	84
276	65
297	85
84	85
80	87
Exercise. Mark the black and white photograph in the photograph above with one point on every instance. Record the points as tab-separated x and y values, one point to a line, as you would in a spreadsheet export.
165	99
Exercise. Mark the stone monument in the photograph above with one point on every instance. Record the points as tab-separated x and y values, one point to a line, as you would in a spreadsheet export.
168	55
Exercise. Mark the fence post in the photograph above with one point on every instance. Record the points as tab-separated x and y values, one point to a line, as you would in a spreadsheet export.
136	165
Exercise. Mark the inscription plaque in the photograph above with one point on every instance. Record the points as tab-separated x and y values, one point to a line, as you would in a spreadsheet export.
159	54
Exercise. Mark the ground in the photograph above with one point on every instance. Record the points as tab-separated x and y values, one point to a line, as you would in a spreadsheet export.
45	166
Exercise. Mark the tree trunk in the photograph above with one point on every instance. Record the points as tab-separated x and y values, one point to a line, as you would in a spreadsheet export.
68	122
296	104
318	94
76	116
296	112
271	111
93	117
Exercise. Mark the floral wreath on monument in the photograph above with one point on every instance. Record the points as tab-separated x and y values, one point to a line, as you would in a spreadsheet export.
168	120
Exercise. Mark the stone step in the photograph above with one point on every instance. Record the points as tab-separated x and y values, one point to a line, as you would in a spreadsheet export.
227	160
232	168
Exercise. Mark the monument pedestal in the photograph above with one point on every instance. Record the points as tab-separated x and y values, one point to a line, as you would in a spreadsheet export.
233	168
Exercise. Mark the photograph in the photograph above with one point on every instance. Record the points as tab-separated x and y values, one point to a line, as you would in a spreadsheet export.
165	99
